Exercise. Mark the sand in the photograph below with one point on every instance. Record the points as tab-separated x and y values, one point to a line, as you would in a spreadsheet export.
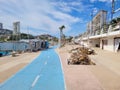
10	65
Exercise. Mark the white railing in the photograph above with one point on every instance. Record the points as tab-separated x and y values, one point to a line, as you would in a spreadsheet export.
111	32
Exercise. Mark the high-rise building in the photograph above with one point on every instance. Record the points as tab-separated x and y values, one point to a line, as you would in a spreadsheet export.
1	26
16	28
98	21
89	27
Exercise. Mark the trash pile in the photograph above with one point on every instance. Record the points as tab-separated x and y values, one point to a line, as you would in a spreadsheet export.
80	56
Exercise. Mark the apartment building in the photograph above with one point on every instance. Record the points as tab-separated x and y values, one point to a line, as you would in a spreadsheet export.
101	34
98	21
16	28
1	26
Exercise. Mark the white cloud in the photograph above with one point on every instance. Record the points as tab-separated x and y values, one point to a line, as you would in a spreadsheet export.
40	15
69	6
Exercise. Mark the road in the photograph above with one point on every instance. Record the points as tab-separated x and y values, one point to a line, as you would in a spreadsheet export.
44	73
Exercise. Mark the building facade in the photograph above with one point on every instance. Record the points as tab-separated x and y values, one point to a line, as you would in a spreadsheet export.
1	26
103	35
98	21
16	28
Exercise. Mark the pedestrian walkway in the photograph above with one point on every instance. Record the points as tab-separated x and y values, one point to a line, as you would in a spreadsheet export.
107	68
102	76
44	73
78	77
111	60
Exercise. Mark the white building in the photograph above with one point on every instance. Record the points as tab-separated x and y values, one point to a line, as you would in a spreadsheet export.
98	21
101	35
16	28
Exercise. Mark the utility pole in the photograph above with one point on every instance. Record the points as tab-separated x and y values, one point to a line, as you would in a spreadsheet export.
113	9
91	23
91	28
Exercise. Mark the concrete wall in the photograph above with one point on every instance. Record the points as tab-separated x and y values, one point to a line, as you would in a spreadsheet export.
94	42
110	44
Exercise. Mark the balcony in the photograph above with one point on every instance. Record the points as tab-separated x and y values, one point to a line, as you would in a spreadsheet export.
107	33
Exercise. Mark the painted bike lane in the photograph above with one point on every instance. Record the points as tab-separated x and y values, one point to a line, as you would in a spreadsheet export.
44	73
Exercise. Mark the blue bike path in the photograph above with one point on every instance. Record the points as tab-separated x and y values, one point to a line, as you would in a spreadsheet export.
44	73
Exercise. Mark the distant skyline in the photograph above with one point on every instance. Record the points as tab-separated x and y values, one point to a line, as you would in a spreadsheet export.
46	16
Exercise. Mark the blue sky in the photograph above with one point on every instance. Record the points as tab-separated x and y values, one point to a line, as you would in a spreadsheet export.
46	16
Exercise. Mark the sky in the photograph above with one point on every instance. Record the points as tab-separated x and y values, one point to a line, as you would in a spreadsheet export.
46	16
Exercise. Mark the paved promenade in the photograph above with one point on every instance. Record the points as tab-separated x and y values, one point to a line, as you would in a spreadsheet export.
107	70
105	75
78	77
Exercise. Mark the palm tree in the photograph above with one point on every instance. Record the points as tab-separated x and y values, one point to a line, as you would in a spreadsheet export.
61	35
62	27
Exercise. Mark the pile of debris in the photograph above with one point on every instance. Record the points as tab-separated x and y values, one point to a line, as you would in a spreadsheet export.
80	56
